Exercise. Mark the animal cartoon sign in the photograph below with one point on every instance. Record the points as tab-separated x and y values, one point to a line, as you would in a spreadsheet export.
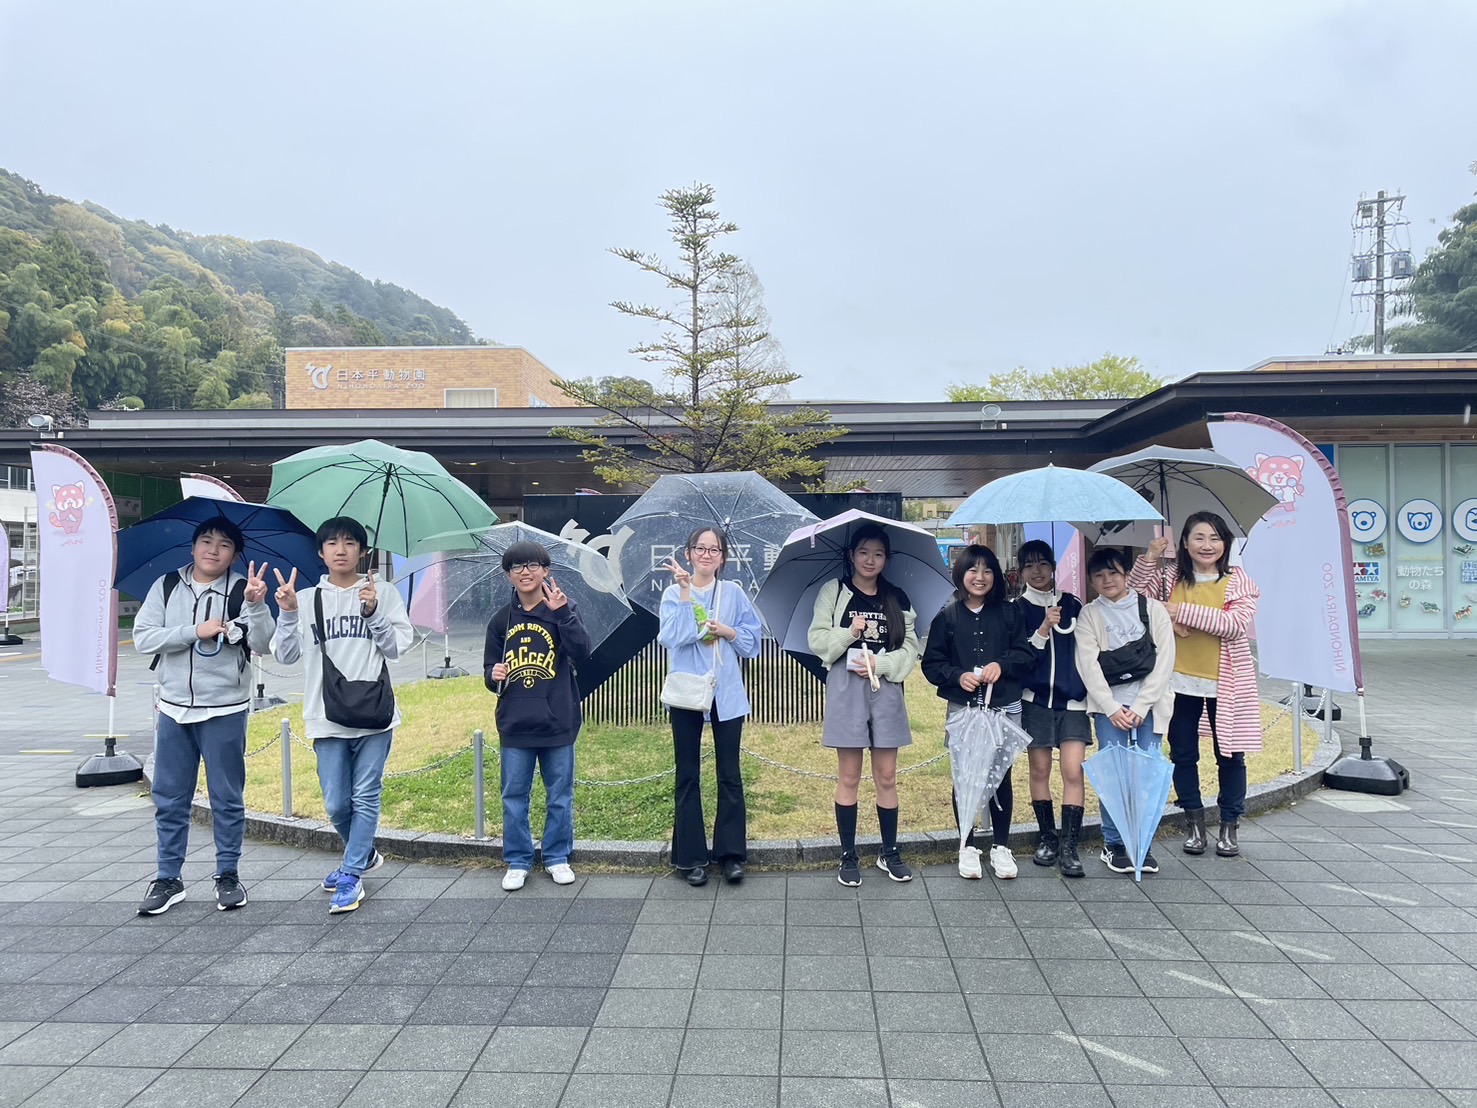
1280	476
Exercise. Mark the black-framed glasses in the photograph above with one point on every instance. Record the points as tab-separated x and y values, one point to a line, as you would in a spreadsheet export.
708	551
522	567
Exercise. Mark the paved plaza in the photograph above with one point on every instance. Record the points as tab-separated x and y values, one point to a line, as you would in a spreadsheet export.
1334	963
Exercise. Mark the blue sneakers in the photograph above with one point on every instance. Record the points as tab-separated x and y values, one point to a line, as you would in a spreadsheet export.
331	881
347	895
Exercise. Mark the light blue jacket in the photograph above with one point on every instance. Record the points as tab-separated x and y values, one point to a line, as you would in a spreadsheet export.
685	654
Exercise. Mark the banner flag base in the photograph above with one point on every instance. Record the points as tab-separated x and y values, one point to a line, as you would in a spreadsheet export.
111	767
1363	772
8	639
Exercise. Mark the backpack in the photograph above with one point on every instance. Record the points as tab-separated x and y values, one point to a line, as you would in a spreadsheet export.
234	600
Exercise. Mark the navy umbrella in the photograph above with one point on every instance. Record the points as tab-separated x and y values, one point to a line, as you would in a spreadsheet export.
161	544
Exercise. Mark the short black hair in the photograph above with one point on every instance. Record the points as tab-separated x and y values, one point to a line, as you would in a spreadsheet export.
525	551
977	554
222	527
341	527
1107	557
1035	550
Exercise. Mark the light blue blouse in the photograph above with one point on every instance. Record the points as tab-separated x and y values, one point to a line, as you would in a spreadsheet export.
679	633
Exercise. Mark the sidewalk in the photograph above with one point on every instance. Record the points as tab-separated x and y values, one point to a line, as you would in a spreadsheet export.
1335	963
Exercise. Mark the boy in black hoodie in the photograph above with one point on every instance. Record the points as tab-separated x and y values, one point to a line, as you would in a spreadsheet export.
533	645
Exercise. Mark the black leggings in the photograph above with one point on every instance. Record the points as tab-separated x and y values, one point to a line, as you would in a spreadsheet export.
1001	806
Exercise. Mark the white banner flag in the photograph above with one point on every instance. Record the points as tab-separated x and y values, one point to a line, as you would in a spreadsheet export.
207	487
5	569
77	526
1298	554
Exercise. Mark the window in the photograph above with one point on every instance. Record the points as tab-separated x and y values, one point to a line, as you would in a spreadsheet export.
471	398
538	402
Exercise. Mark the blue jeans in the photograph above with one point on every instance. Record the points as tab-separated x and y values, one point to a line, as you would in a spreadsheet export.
1142	737
351	773
178	748
556	767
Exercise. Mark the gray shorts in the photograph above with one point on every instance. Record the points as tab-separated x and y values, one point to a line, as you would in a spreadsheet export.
1050	727
858	718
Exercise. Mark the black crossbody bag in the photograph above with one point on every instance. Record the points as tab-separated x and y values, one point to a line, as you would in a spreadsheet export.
1133	661
364	705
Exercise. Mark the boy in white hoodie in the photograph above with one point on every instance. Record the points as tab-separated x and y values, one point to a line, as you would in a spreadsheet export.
354	624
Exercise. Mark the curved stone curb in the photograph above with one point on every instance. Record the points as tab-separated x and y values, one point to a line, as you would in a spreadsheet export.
922	846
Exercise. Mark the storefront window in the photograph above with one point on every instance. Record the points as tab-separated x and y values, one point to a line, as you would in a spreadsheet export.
1365	473
1460	540
1418	539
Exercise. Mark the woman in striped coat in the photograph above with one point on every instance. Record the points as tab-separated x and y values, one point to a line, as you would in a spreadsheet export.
1212	606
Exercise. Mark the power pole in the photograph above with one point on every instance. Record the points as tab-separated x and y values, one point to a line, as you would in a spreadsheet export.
1379	263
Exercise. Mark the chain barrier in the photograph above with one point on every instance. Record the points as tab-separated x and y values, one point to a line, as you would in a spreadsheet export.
264	747
430	767
1267	729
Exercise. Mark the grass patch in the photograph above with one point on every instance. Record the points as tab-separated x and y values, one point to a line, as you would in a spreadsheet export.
440	716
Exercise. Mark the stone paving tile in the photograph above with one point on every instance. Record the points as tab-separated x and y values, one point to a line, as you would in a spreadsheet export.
445	1048
510	1090
741	971
183	1086
740	1009
704	1091
1014	1057
827	972
330	1046
154	1045
731	1052
464	1005
1364	1064
589	1090
97	1088
554	1006
830	1054
1246	1062
252	1047
925	1012
1439	1063
379	1089
324	1089
631	1050
829	1011
827	1092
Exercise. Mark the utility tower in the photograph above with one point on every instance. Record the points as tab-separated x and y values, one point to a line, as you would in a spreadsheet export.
1382	264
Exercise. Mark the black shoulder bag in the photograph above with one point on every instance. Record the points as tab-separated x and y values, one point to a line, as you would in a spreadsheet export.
363	705
1133	661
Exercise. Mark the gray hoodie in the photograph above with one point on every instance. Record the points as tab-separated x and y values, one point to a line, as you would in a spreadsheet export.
191	673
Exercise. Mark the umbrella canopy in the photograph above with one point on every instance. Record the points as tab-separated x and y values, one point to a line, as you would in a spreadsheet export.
756	516
1050	495
983	743
1180	483
473	585
155	546
1132	784
816	553
404	498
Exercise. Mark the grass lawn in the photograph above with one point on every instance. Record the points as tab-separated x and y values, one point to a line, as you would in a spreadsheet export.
440	716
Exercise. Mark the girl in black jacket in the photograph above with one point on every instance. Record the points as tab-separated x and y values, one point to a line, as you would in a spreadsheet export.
979	639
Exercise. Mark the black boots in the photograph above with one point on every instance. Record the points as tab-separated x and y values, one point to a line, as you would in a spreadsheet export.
1195	825
1067	860
1046	841
1225	844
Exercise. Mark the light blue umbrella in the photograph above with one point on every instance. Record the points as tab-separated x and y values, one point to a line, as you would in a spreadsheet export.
1053	495
1132	784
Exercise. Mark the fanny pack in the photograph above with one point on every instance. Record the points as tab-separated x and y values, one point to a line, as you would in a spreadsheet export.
1133	661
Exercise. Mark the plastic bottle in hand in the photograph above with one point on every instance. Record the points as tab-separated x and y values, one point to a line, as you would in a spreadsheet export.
701	615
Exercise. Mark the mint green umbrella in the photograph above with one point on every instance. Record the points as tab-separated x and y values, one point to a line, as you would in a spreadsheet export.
405	499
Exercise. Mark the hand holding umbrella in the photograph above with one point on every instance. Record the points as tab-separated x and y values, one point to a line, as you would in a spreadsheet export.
368	599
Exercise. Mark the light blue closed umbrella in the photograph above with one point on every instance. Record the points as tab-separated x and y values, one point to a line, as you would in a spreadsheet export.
1054	495
1132	785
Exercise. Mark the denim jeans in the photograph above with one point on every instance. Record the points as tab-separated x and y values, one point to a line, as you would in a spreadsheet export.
1184	752
556	767
351	773
1142	737
178	748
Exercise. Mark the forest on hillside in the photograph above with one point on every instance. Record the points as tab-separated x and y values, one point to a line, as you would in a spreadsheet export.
100	311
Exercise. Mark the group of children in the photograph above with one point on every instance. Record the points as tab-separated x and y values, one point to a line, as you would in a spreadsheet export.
1124	668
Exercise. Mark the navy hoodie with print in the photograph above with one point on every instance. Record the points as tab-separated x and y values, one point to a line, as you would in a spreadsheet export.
539	703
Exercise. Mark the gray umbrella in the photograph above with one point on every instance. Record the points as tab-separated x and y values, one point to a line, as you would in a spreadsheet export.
1180	483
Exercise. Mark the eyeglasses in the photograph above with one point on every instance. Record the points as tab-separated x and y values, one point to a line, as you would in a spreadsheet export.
524	567
708	551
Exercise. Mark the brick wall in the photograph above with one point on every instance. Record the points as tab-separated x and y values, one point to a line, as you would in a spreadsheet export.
415	376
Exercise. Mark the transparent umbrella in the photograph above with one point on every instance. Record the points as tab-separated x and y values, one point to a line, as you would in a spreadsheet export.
983	743
1132	784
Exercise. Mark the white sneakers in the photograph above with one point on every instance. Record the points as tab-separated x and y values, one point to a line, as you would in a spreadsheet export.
561	873
1001	861
969	863
513	880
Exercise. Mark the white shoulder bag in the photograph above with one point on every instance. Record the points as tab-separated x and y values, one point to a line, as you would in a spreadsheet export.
694	691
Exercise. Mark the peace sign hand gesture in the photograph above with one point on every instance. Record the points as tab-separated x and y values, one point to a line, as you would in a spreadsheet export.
680	577
256	584
287	590
368	598
554	596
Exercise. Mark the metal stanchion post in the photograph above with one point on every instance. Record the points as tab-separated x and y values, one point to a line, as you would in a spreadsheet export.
286	769
1297	725
479	785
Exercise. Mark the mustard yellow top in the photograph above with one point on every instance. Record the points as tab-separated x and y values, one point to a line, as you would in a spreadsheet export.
1198	654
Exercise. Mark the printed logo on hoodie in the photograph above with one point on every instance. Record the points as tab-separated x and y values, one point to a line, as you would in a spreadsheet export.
530	654
342	627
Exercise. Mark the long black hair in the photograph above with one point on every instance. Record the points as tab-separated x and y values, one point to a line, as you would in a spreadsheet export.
978	555
892	606
1182	560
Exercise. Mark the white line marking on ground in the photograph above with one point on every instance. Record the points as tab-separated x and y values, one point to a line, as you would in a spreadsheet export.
1452	823
1216	986
1374	896
1428	853
1116	1055
1143	947
1286	947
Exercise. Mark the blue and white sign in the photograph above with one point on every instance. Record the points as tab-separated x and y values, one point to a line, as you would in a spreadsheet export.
1419	520
1464	520
1367	520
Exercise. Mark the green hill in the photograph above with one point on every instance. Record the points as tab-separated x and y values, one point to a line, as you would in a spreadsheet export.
95	308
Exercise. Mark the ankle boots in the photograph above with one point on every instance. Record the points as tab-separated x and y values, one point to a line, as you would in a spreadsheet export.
1225	844
1195	825
1046	841
1067	860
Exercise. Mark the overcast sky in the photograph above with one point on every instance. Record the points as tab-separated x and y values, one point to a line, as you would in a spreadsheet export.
930	192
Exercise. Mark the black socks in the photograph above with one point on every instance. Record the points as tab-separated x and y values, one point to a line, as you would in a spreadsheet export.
887	823
846	827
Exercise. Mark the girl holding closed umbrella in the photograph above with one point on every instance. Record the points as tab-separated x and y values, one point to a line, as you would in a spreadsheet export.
1212	605
862	628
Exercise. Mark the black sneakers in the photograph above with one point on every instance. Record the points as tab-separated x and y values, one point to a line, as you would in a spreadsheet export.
893	865
229	892
850	872
163	895
1151	864
1116	858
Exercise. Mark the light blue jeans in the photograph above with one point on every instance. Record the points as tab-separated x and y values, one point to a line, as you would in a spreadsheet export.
1142	737
556	767
351	773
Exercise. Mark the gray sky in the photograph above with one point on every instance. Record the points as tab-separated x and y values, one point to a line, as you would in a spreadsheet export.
930	192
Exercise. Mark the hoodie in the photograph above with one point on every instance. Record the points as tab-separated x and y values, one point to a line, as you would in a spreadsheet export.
358	646
539	704
196	675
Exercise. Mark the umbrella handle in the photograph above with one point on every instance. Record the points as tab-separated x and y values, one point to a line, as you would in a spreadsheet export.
989	691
